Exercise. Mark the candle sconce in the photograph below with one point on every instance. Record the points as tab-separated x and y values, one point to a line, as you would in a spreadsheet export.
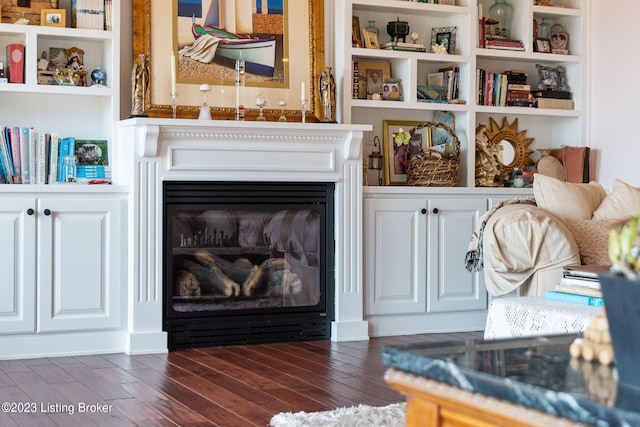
376	159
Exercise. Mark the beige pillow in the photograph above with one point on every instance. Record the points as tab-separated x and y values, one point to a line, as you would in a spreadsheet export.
623	201
592	238
550	166
565	199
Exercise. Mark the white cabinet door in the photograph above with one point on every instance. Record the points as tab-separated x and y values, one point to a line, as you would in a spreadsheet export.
17	265
395	242
452	288
80	245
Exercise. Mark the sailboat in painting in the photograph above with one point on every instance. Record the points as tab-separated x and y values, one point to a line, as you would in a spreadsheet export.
258	54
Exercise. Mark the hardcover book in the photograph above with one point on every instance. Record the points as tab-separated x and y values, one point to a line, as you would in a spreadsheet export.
574	299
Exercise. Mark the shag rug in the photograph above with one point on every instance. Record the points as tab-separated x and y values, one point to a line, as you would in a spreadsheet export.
356	416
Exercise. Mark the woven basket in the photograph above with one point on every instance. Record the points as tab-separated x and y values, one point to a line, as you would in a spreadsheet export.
432	170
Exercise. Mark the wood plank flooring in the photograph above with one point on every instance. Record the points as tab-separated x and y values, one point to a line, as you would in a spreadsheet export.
222	386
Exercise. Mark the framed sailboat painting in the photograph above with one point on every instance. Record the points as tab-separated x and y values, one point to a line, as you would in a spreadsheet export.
240	48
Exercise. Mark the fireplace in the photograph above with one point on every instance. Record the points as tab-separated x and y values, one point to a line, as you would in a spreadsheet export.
153	152
247	263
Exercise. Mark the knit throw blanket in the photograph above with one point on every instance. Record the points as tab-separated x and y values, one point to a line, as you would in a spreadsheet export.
474	258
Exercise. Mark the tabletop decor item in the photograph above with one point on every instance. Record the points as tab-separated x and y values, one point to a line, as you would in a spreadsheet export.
559	39
502	12
621	293
433	168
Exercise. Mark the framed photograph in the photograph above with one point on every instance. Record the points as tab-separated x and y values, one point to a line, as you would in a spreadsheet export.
53	17
371	40
372	84
445	36
355	29
392	90
396	156
543	45
291	31
449	2
552	78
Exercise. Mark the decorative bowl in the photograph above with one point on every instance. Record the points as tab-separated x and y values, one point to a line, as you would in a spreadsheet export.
66	77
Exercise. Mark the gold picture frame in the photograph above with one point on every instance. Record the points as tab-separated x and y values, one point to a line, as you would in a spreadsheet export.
395	156
53	17
371	40
148	29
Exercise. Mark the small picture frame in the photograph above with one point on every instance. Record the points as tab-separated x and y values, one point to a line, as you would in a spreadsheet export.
542	45
446	36
449	2
392	90
552	78
371	40
53	17
395	172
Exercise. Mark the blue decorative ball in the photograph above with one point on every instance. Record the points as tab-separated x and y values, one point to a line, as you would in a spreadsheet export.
98	77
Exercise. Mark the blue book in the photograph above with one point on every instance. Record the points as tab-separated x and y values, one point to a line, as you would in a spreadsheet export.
574	299
67	147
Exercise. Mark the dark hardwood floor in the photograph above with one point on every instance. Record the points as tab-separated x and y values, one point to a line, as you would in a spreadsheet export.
222	386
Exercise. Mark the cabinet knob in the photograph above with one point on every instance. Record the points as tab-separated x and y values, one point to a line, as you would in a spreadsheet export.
30	211
47	212
423	211
435	210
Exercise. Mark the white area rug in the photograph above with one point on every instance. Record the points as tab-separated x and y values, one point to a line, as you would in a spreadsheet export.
356	416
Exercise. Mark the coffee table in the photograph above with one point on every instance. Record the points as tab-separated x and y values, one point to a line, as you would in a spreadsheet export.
520	382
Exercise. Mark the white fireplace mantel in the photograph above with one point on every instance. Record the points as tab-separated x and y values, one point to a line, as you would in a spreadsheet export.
151	151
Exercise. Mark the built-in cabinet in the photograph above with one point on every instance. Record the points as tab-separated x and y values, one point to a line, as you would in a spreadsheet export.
62	247
62	264
415	239
548	127
415	242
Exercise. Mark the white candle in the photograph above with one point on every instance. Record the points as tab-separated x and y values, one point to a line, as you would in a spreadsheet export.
302	92
173	73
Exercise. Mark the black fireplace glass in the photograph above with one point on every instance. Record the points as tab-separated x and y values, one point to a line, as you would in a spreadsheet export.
263	250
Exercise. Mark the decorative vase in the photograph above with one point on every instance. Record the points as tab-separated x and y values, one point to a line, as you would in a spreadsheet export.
502	12
621	297
544	32
372	27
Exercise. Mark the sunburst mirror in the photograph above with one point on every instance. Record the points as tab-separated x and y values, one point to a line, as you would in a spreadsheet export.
515	146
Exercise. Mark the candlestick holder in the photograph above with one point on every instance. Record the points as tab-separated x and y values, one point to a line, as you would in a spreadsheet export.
282	117
261	102
174	104
303	102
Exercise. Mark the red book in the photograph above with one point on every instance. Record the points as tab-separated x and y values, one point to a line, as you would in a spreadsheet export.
15	59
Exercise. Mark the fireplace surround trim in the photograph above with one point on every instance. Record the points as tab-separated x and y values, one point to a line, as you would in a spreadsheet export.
151	151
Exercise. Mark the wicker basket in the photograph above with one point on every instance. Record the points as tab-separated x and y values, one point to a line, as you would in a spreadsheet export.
431	170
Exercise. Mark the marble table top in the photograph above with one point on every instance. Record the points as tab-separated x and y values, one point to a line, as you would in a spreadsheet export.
535	372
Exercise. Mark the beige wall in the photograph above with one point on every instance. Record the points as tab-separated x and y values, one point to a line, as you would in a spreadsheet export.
615	92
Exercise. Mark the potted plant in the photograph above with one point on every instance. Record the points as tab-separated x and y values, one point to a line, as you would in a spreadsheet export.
621	294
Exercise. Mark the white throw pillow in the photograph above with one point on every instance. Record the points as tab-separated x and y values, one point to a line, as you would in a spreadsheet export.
565	199
623	201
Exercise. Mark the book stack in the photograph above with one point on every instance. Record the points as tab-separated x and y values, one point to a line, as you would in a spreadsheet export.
409	47
518	90
503	43
443	85
579	285
554	99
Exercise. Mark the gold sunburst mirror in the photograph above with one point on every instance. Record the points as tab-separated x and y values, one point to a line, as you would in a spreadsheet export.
515	146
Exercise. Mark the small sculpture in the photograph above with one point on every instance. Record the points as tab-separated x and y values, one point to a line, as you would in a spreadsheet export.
488	169
140	87
328	96
439	48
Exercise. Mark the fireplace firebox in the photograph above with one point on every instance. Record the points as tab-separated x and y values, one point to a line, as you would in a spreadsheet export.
247	262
